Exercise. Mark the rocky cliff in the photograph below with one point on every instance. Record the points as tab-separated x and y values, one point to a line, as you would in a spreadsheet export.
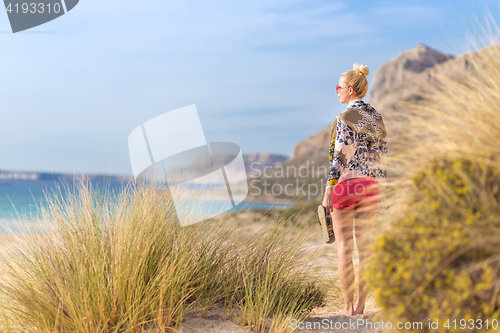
397	73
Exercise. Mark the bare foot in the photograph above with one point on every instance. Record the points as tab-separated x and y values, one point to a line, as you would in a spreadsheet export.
359	310
348	310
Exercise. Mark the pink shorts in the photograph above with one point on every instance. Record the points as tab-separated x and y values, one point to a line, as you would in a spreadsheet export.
356	193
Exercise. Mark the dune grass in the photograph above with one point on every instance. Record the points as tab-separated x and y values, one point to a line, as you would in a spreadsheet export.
438	256
121	263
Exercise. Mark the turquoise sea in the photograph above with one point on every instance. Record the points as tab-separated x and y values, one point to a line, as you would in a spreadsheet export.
22	198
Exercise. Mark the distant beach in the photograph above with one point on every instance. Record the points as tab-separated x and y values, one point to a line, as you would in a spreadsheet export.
22	195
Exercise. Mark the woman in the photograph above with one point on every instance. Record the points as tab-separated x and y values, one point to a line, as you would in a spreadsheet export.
357	149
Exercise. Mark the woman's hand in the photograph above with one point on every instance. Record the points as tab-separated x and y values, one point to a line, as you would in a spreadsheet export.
327	200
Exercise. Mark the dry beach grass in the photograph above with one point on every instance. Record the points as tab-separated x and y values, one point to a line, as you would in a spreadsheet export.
114	263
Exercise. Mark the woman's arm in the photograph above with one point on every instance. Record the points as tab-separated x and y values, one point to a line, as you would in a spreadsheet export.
341	149
383	149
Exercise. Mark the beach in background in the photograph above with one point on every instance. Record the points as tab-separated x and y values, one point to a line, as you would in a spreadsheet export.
24	194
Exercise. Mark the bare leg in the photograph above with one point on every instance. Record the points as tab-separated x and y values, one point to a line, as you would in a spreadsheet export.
364	229
342	226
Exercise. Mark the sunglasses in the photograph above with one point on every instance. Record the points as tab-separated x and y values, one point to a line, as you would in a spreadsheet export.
338	87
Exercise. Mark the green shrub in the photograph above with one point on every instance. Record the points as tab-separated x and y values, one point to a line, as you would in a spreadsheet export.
442	260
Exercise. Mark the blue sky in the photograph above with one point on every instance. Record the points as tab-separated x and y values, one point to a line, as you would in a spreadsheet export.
261	73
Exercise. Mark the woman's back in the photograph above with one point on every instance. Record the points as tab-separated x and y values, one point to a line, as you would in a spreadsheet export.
359	142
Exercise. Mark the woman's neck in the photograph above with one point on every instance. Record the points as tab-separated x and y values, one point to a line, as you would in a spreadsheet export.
353	101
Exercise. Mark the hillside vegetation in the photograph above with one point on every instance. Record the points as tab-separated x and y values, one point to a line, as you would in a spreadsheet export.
438	255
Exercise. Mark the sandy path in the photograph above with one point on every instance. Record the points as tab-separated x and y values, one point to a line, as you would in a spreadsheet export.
321	320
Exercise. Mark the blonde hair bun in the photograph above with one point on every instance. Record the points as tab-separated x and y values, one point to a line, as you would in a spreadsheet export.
361	69
356	78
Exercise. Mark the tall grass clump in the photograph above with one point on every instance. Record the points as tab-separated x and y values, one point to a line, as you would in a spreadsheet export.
267	289
438	257
121	262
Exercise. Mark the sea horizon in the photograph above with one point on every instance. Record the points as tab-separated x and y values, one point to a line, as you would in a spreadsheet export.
23	194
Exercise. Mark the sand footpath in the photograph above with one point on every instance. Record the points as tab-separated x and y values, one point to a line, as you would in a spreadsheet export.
321	320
